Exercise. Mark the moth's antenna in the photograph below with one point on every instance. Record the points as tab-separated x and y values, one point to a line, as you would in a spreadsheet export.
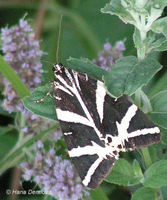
47	62
58	42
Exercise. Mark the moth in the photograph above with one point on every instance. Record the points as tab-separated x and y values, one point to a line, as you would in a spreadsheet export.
96	126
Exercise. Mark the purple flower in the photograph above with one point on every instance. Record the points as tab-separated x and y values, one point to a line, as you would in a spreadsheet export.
51	152
107	58
22	53
55	135
107	46
40	144
54	175
120	46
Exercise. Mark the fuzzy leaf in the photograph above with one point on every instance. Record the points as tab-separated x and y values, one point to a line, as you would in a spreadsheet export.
162	47
155	42
159	3
123	174
128	75
137	169
159	102
156	175
159	45
137	38
160	26
87	67
115	7
159	107
159	118
46	108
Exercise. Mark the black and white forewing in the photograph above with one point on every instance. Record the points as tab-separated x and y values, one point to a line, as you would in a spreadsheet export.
133	128
96	126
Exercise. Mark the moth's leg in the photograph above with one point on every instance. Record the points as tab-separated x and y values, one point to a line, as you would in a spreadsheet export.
48	93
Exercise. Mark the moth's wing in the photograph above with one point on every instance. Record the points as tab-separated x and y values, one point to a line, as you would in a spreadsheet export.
121	114
79	119
130	123
119	117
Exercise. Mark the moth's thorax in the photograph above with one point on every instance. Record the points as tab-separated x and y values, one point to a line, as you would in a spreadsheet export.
58	68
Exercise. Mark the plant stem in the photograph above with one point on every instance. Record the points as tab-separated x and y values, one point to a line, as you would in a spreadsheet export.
16	154
22	124
146	156
138	98
141	53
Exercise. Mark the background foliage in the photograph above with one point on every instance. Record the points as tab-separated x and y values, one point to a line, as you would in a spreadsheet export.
84	31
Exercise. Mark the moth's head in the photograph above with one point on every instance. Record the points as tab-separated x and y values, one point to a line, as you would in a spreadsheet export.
58	68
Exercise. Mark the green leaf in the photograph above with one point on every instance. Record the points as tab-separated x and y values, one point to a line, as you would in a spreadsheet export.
159	3
123	174
155	42
87	67
159	45
13	78
137	38
156	175
116	80
160	85
160	26
128	75
4	129
159	102
162	47
159	108
154	153
137	169
115	7
46	108
144	194
98	194
159	118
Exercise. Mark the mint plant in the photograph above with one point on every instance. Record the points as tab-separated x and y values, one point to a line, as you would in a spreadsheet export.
145	169
149	36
